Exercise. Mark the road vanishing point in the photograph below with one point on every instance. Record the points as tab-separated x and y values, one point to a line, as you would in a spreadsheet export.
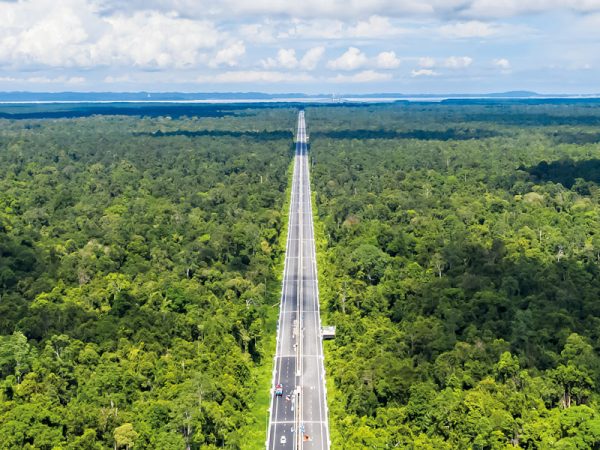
298	418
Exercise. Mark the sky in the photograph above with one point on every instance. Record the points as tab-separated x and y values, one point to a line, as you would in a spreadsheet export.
310	46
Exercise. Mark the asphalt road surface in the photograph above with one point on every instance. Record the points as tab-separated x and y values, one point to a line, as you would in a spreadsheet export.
300	415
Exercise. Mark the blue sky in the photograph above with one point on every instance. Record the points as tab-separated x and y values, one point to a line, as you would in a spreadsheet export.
313	46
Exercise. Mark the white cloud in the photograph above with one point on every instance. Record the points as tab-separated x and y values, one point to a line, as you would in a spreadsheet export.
376	27
387	60
306	9
156	40
353	9
348	10
312	57
61	80
511	8
269	63
352	59
317	29
44	80
253	76
117	79
452	62
502	63
169	42
229	55
427	62
319	9
51	34
458	62
470	29
424	73
286	58
366	76
71	33
257	33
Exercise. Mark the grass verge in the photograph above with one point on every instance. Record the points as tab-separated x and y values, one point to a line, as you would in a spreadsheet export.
255	432
326	287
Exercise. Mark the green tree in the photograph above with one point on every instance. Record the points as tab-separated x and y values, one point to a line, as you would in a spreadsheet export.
125	436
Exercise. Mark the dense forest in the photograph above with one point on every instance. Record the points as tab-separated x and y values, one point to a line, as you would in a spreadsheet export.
460	262
135	256
459	258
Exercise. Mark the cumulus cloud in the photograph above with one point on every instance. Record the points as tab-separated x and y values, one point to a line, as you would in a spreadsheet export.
152	39
366	76
317	29
502	63
451	62
172	41
477	29
352	59
71	34
312	57
257	33
387	60
286	58
54	35
376	27
427	62
423	73
229	55
470	29
457	62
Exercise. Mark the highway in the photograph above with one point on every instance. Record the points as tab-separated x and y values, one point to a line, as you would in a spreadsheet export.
298	419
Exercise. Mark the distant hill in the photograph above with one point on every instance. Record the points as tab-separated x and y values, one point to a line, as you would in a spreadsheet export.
510	94
138	96
203	96
232	96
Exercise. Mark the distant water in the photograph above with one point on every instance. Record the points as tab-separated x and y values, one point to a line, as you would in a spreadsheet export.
325	100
